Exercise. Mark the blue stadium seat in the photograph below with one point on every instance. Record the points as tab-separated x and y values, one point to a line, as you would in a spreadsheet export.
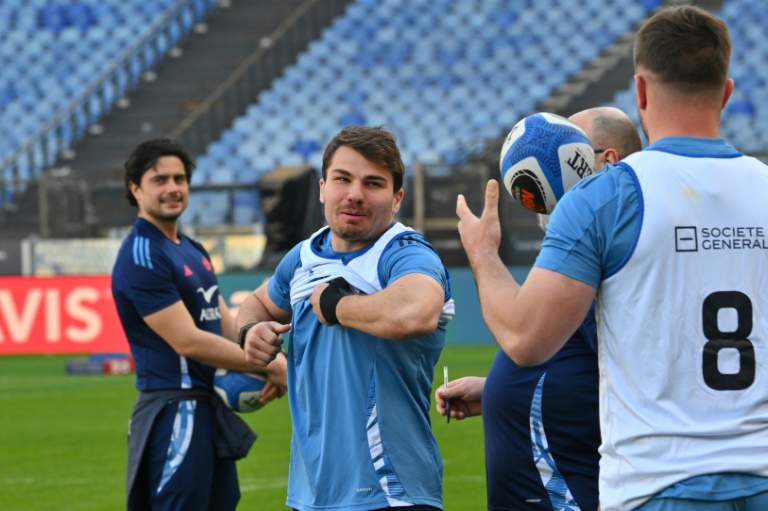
80	16
51	51
305	148
440	73
352	118
53	17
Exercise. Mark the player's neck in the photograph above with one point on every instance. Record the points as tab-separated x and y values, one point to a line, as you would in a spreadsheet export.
683	122
169	228
672	113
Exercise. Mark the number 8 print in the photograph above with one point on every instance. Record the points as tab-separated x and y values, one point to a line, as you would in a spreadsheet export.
718	340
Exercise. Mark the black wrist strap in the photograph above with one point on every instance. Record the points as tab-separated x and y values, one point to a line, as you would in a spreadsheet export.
244	330
337	289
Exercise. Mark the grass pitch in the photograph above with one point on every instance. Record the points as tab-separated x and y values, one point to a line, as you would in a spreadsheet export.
63	439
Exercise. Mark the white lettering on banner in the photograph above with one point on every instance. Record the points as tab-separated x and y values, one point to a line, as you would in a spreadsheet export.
19	325
52	316
19	320
74	307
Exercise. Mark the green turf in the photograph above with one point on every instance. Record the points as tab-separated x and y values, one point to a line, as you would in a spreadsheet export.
63	440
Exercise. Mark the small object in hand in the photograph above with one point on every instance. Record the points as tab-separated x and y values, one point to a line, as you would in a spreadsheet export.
447	401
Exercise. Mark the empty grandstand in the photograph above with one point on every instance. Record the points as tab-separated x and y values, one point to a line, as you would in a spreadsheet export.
256	86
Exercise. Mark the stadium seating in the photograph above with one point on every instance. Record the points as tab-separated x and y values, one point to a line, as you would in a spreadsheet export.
745	118
441	74
444	75
61	55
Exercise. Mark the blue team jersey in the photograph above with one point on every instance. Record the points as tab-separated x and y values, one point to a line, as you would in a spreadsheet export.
542	429
362	437
152	272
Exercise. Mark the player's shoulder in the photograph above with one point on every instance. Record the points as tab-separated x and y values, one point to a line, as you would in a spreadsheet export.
612	182
141	249
290	262
196	244
608	178
409	239
410	244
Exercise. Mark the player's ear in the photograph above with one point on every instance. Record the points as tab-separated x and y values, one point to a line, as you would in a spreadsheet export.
642	92
397	200
611	155
727	93
135	190
322	191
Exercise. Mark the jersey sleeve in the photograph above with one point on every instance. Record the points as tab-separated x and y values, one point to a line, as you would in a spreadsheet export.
150	287
594	227
411	253
279	286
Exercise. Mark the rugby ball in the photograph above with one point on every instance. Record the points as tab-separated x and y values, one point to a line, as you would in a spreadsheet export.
240	391
542	157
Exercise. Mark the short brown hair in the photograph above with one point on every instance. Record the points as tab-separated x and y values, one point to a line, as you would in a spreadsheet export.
376	143
685	47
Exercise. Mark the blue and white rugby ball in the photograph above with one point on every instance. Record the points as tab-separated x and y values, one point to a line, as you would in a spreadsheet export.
240	391
542	157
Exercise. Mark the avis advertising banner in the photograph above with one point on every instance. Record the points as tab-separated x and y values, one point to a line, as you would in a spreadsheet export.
59	315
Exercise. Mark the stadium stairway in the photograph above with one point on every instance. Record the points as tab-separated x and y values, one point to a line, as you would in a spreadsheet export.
233	31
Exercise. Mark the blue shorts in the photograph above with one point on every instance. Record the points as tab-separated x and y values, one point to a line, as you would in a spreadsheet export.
757	502
183	470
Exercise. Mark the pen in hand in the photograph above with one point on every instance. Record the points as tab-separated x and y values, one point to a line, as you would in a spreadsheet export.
447	401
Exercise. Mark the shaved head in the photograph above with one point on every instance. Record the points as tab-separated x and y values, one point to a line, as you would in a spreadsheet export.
608	127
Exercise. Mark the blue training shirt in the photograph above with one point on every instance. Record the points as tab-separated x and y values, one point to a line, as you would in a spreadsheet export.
152	272
362	437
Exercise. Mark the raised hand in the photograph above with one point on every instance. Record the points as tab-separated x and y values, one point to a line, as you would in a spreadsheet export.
480	235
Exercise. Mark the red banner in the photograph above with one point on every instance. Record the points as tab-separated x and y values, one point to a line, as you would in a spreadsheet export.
59	315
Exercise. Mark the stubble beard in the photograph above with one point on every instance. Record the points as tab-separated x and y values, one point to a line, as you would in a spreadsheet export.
158	214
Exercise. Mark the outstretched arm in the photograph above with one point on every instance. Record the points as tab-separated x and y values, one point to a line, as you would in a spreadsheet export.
176	326
530	322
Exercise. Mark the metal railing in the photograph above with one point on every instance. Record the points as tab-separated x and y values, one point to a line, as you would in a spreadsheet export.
230	99
70	124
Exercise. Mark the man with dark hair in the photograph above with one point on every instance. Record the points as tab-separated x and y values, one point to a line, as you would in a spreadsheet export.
366	300
673	241
541	423
179	330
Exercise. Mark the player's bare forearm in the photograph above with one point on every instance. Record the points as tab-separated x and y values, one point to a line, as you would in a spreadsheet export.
259	307
409	307
529	322
176	326
533	321
220	352
497	290
228	329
